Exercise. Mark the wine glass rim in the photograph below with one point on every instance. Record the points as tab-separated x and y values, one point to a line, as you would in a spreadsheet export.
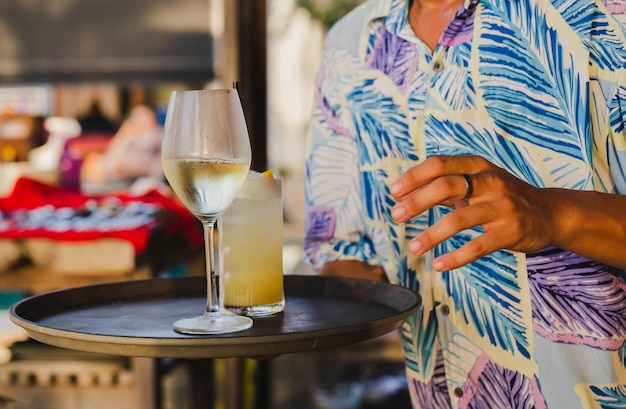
205	91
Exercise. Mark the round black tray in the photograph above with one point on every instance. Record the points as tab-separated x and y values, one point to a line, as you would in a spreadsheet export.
134	318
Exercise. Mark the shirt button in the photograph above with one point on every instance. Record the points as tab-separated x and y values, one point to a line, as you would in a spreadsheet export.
445	310
437	66
458	392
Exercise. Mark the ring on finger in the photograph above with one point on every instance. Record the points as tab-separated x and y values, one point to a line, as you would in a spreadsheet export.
470	186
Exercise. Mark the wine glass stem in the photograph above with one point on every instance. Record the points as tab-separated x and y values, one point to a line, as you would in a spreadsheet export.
213	255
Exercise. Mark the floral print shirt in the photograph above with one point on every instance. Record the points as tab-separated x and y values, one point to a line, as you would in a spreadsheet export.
538	87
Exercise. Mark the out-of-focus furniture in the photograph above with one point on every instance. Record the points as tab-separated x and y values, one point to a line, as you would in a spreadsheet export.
59	230
89	251
34	375
369	374
45	378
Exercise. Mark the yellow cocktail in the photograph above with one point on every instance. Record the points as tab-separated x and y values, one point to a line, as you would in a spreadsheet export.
252	234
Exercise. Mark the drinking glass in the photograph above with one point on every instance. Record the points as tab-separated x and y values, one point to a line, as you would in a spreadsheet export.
252	233
206	156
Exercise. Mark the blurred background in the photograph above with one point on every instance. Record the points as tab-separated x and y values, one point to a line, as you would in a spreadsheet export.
94	60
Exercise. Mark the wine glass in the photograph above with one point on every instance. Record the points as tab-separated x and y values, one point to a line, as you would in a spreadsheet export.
206	156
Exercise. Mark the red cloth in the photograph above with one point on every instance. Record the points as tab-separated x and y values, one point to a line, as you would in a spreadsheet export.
31	199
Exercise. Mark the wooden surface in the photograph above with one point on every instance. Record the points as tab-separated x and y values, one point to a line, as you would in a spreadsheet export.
37	280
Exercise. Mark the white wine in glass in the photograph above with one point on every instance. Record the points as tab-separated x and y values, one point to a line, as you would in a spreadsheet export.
206	156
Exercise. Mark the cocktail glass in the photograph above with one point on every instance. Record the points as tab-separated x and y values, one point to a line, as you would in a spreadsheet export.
252	233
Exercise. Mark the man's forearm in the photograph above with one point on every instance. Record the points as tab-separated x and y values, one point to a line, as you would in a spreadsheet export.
354	269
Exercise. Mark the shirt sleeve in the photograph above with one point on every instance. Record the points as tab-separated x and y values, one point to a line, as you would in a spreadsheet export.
334	213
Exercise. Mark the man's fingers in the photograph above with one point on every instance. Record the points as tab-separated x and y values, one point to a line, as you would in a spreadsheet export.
435	167
443	190
470	251
451	224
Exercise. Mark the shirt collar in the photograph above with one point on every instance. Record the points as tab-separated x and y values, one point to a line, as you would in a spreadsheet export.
386	8
395	13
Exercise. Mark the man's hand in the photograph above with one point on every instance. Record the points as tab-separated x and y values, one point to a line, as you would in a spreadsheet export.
514	214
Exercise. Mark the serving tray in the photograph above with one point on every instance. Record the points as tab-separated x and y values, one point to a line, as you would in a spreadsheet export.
134	318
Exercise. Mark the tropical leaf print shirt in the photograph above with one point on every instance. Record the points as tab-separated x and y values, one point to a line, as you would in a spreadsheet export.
537	87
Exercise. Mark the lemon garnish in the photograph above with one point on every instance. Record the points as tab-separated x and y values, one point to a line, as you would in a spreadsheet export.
268	173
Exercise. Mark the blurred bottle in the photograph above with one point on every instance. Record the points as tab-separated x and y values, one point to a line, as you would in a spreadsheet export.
8	154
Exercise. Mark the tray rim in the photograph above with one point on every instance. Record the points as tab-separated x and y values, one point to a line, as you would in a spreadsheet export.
201	346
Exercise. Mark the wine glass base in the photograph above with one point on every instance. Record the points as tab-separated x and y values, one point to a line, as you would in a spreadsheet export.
213	324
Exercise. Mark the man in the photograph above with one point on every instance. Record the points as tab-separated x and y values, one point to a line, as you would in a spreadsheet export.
475	151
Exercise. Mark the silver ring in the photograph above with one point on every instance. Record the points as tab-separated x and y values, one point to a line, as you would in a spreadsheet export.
470	186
